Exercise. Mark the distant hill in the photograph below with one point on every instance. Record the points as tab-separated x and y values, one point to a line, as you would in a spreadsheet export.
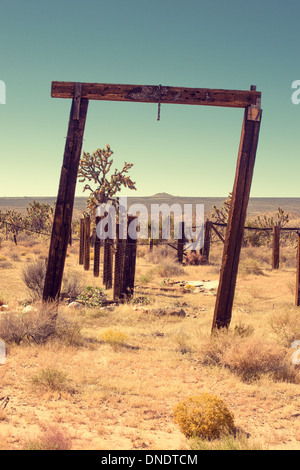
162	196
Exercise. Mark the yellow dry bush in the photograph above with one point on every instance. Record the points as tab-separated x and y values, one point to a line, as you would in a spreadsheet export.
205	416
114	337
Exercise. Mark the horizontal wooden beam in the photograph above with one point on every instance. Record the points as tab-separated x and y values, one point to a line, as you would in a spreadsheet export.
155	94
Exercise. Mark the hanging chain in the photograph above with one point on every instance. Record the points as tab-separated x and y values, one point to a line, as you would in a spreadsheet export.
159	104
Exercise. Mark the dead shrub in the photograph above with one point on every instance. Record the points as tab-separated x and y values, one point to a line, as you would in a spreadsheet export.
286	325
254	357
249	357
34	277
72	285
195	259
169	268
5	264
28	239
250	266
52	438
159	253
38	326
12	329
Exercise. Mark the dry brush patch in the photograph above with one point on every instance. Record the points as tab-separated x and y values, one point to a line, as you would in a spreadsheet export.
110	378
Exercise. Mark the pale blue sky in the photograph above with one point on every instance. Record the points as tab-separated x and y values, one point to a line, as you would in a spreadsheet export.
192	151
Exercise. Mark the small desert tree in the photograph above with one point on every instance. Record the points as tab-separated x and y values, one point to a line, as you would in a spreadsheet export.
95	169
39	217
14	223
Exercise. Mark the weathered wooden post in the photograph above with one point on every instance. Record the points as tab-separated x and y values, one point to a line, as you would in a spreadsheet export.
81	242
297	298
151	243
207	240
129	263
65	198
180	242
276	247
107	264
97	244
119	264
87	243
237	216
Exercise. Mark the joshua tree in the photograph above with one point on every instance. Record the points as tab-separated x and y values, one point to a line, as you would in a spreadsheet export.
94	169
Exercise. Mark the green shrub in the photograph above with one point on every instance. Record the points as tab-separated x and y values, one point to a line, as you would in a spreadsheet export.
50	379
92	297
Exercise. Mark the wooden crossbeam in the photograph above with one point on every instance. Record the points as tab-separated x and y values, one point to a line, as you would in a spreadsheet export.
155	94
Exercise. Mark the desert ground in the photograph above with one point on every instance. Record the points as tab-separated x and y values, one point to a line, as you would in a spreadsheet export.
110	378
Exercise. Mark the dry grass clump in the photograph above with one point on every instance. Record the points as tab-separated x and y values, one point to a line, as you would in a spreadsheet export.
250	266
239	442
164	257
114	338
249	357
205	416
72	285
286	325
160	252
254	357
5	264
52	438
50	379
169	268
38	326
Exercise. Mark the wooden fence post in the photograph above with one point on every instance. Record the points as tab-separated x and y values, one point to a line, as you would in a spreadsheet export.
151	244
65	198
107	264
276	247
81	242
97	244
119	264
129	263
237	217
207	240
297	299
180	243
87	243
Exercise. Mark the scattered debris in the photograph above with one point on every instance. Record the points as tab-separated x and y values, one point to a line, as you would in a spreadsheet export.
296	358
75	305
2	353
141	309
296	354
175	312
29	309
4	401
109	308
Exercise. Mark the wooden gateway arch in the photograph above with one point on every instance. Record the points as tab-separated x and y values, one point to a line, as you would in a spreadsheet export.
81	93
